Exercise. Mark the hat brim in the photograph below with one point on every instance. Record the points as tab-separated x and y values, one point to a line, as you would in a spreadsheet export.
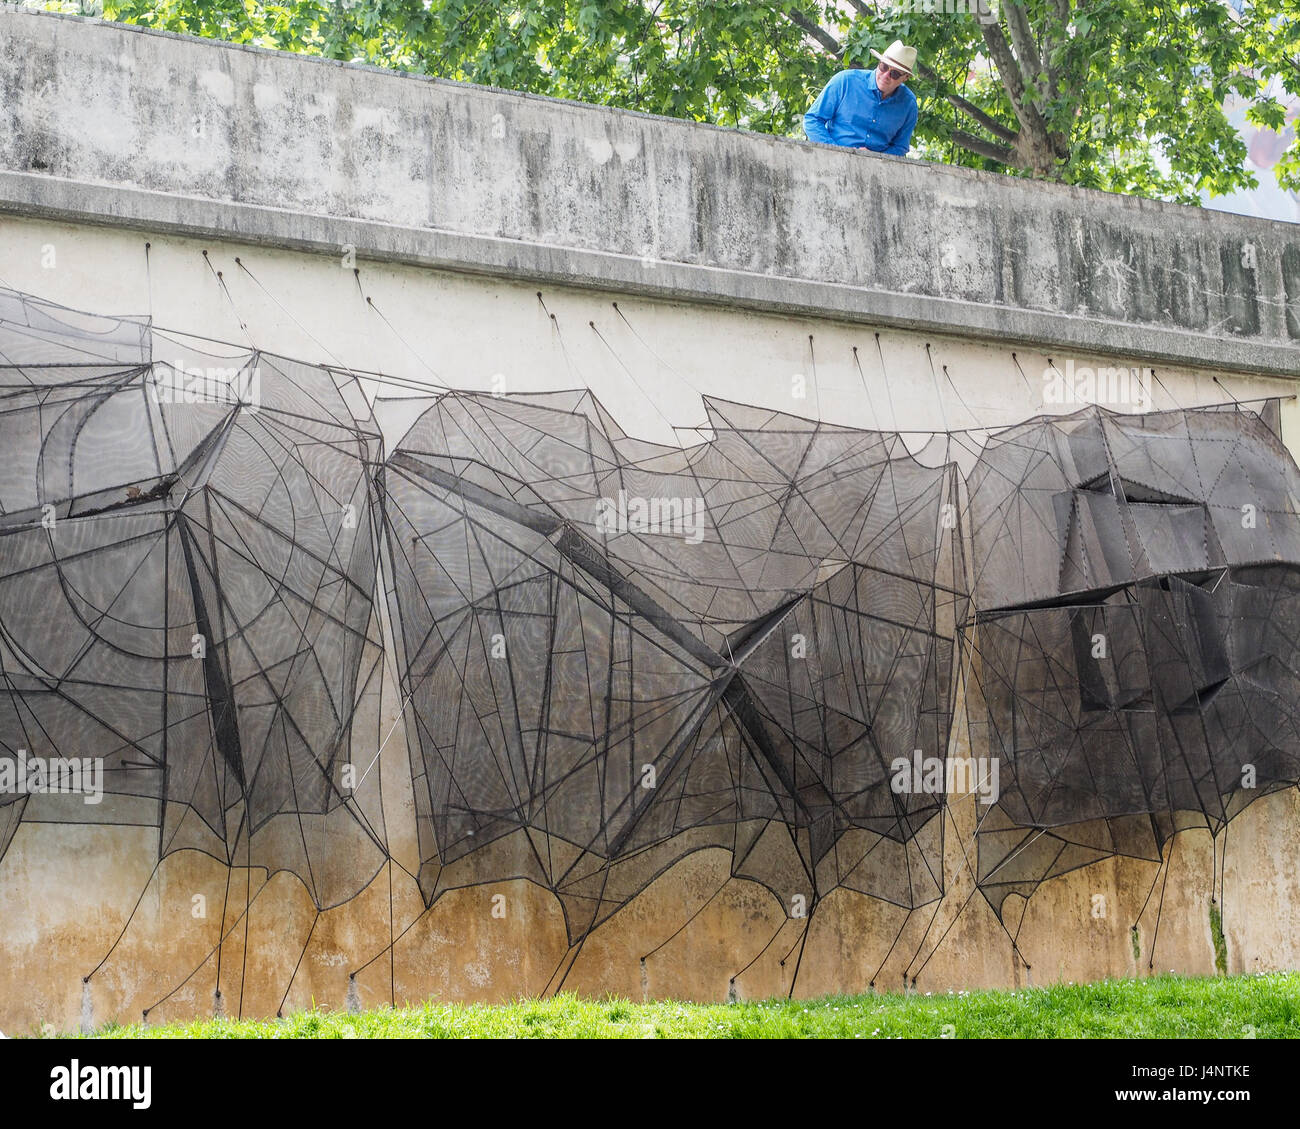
892	62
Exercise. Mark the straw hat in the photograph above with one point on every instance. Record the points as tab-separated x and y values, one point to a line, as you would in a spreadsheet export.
897	56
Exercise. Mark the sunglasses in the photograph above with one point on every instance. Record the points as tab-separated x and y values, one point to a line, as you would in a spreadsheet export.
894	73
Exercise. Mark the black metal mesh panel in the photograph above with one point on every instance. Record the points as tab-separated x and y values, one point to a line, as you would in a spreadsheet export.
1135	647
766	660
186	594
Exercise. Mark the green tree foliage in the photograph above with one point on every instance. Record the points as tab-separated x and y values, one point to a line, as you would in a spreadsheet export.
1124	95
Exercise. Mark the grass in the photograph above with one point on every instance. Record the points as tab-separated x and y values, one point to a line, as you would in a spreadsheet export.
1220	944
1267	1005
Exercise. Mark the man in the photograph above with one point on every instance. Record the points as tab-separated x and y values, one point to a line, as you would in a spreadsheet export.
861	109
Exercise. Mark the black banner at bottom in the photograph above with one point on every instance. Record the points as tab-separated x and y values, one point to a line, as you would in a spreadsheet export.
145	1077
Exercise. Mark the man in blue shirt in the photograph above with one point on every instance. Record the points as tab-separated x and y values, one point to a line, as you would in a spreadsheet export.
861	109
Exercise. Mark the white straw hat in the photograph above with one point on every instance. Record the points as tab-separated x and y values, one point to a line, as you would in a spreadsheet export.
897	56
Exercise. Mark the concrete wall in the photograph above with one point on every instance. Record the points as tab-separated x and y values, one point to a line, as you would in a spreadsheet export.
129	127
215	188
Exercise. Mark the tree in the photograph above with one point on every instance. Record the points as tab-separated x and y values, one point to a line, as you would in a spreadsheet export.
1124	95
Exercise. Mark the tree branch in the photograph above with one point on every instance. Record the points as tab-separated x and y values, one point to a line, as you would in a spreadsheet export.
811	29
979	146
1022	40
1013	79
990	123
1055	36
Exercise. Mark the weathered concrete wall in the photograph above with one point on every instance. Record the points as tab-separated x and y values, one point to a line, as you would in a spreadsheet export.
463	204
118	125
66	895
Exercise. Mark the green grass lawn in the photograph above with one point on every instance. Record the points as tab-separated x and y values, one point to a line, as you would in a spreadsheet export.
1267	1006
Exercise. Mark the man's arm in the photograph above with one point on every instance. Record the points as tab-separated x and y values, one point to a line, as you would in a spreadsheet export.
818	117
903	138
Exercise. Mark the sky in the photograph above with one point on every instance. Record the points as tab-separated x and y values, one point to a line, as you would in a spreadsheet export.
1265	147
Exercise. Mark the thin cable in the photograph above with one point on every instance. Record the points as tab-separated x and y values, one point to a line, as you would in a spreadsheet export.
221	281
631	376
370	302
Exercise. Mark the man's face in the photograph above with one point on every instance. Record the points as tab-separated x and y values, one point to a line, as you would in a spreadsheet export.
885	83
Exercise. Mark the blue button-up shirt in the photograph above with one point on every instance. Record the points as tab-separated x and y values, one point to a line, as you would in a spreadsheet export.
851	112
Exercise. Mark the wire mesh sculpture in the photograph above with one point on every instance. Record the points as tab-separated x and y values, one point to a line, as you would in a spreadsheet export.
617	653
1137	580
187	592
613	653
